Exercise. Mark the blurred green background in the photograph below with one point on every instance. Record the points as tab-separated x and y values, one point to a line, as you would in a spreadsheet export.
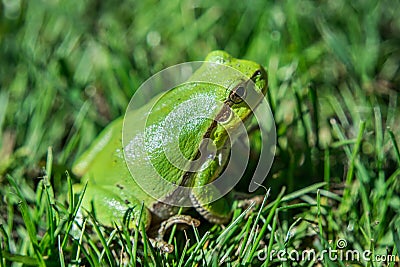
67	68
70	67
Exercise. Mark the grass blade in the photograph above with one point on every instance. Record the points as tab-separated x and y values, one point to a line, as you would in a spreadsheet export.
356	148
30	226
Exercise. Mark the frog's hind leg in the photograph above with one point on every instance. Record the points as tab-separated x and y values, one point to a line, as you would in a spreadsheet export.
110	205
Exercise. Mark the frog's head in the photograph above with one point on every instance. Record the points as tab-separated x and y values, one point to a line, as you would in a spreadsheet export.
250	69
252	73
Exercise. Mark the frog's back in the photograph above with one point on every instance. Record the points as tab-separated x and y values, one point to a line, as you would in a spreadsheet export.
104	165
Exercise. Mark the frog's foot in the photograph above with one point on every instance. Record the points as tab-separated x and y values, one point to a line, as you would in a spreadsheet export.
248	202
181	220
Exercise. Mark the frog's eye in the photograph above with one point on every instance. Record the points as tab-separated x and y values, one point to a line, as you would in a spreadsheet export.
256	75
238	93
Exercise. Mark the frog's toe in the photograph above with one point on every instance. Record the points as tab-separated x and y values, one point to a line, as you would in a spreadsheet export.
162	245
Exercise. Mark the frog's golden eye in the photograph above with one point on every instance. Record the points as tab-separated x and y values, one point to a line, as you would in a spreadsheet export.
256	75
238	93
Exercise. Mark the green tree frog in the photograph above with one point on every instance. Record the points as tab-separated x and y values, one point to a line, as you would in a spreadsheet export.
111	190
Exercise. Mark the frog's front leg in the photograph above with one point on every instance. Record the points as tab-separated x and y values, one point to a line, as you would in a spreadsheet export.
218	211
176	219
179	219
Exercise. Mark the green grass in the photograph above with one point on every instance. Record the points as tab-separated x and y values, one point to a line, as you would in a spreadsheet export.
70	67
